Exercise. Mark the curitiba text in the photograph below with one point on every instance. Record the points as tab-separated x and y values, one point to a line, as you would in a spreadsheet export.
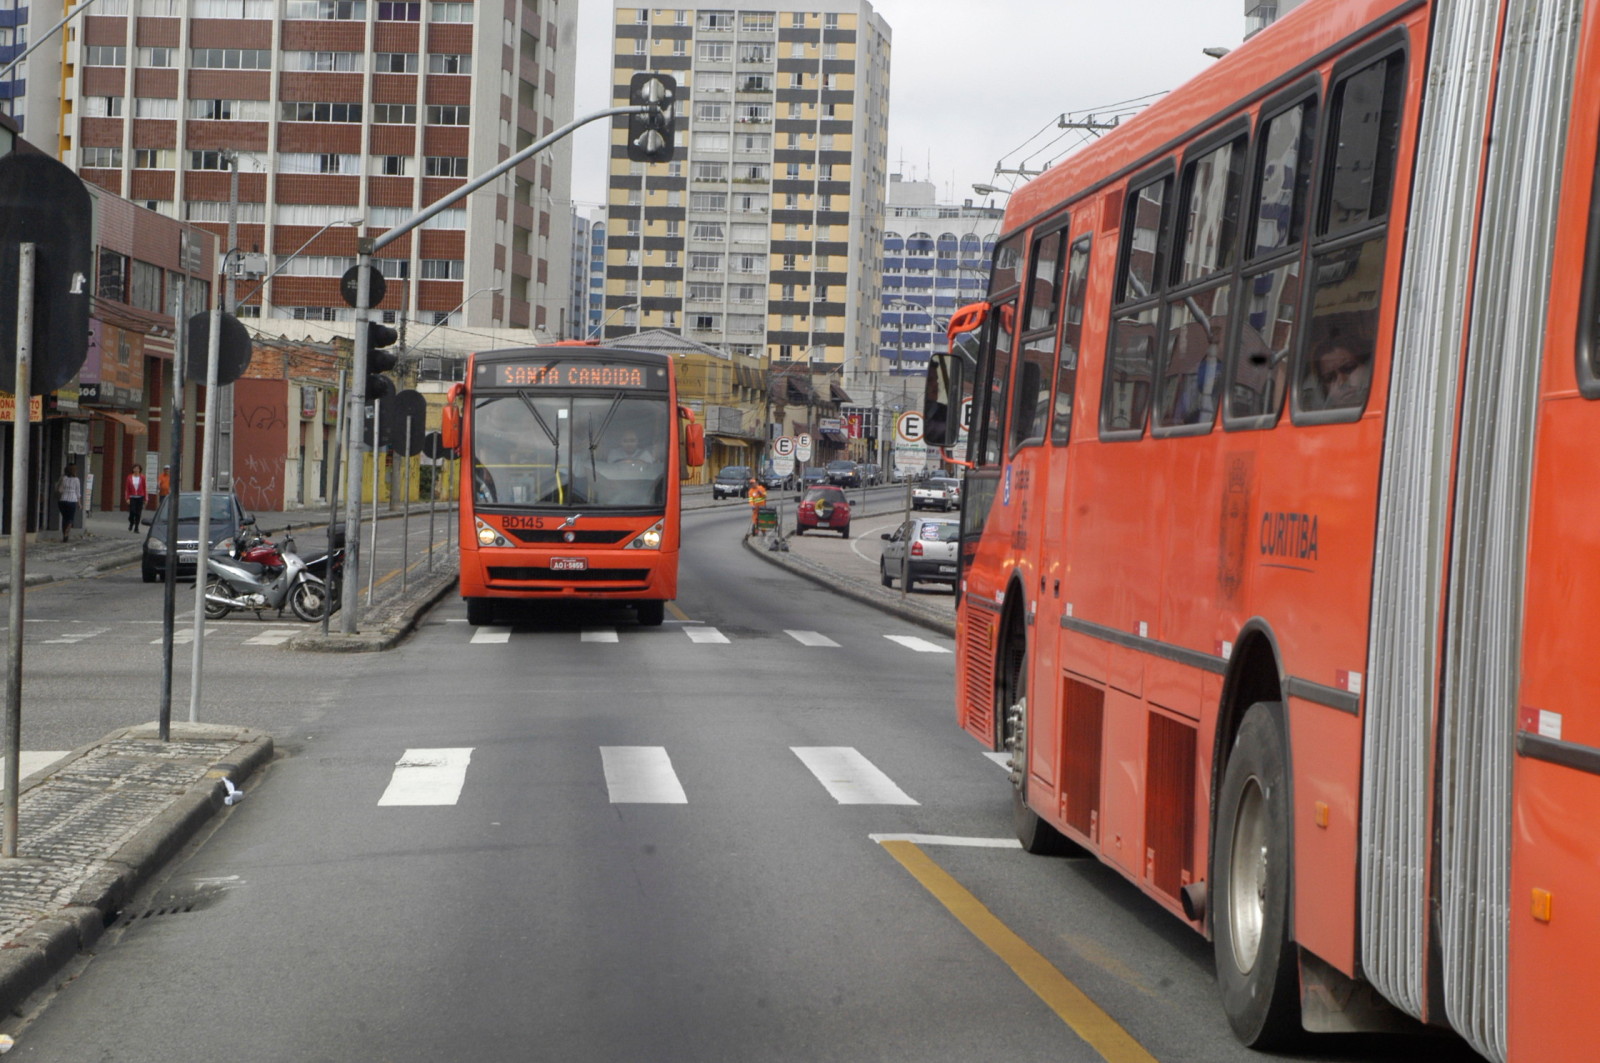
1289	535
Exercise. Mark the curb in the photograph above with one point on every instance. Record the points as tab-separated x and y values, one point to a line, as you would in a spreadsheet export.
32	959
392	624
849	587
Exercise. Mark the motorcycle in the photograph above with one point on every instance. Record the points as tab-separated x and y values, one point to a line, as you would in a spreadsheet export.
329	568
233	583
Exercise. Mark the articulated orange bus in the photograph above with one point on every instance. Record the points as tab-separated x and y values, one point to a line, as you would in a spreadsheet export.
576	454
1280	543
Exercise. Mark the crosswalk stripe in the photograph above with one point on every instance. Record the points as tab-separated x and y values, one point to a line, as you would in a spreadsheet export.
811	638
184	636
599	634
851	778
491	634
705	635
641	775
428	777
911	642
71	638
31	761
1002	758
275	636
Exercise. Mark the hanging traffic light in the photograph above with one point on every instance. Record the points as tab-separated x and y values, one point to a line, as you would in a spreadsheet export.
380	361
650	132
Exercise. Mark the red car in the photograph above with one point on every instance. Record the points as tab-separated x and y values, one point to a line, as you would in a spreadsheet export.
823	507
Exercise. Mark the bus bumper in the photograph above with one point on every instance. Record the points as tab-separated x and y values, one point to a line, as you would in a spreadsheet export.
612	575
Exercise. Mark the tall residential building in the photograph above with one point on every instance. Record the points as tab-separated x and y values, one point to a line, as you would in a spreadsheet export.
596	274
332	114
578	293
763	235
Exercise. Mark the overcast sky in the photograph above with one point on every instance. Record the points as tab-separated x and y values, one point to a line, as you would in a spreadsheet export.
976	85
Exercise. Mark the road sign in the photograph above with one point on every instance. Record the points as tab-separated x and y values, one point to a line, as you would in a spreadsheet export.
802	446
375	286
966	416
783	446
783	464
908	427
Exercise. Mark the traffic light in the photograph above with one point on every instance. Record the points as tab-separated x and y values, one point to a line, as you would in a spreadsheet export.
650	132
380	361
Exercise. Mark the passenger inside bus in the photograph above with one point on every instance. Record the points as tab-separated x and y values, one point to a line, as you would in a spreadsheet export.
1343	374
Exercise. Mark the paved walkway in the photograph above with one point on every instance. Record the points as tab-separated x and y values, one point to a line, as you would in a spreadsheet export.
100	823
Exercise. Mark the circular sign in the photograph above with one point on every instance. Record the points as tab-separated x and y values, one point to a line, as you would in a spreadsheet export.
908	427
802	446
783	446
352	278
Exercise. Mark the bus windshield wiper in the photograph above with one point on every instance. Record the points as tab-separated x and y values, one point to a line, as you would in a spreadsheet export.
555	441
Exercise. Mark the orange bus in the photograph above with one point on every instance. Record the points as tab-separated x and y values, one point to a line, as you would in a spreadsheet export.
576	454
1276	572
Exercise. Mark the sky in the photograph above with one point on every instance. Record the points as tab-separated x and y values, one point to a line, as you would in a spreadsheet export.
976	85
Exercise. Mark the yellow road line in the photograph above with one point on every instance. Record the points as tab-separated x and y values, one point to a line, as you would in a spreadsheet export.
677	614
1099	1030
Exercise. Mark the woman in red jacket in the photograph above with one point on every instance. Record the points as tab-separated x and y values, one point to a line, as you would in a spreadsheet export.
135	488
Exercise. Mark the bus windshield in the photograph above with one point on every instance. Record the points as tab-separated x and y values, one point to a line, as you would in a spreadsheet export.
541	450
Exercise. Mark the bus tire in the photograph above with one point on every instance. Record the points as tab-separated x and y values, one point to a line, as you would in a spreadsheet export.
1257	971
1011	704
652	613
480	611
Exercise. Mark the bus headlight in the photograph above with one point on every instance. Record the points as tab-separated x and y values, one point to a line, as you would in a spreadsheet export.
487	536
649	539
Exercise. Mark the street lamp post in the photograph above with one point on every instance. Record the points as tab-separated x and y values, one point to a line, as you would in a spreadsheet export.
614	312
351	222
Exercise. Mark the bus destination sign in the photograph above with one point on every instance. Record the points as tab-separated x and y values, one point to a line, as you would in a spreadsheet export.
571	373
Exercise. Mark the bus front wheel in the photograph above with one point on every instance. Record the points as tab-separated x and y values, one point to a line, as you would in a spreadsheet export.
652	613
1255	958
1036	836
480	611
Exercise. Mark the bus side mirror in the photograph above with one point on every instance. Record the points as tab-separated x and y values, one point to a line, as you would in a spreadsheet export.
694	443
450	427
942	401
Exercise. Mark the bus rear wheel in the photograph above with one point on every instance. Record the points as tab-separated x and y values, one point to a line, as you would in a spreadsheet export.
1255	958
651	614
1011	705
480	611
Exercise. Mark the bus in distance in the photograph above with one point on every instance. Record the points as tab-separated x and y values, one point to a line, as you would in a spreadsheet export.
1278	554
573	455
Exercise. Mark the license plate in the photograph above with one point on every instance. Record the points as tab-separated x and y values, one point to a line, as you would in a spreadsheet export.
947	568
568	564
188	555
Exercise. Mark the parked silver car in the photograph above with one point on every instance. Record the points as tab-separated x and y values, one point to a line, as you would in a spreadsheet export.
937	492
929	544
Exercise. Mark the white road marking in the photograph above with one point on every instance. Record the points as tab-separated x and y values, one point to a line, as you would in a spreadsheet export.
31	761
428	777
1002	758
641	775
183	636
851	778
811	638
491	634
273	636
948	839
72	637
911	642
599	634
705	635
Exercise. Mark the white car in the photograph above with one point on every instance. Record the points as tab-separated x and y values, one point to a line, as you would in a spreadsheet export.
937	492
929	543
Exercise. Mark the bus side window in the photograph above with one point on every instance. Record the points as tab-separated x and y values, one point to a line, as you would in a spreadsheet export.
1131	351
1030	410
1071	334
1357	178
989	435
1269	287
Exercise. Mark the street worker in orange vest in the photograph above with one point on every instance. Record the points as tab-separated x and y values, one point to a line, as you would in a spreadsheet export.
757	498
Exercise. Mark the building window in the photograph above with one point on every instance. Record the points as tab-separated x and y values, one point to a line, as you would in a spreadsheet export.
319	112
392	165
389	62
451	12
231	110
394	114
449	114
715	52
231	58
443	269
445	166
157	57
101	158
152	158
207	160
318	162
327	10
399	11
449	64
102	107
154	107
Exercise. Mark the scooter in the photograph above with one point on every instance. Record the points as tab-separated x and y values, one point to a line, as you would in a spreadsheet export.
233	584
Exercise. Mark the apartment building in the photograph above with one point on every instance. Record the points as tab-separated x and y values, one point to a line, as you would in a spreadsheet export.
292	123
763	235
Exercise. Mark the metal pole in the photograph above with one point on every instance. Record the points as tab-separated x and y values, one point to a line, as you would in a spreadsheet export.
20	429
405	512
208	450
169	589
377	459
333	504
433	499
355	400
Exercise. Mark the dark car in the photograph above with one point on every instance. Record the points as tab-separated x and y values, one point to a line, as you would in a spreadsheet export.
732	482
813	477
844	473
226	518
871	475
774	480
823	507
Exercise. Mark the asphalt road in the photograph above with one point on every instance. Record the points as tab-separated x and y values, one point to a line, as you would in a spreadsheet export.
573	838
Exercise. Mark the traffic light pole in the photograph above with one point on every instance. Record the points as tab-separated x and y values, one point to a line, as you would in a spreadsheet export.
356	398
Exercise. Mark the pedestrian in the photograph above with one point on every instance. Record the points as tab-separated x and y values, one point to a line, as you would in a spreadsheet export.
69	493
757	497
135	489
164	483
